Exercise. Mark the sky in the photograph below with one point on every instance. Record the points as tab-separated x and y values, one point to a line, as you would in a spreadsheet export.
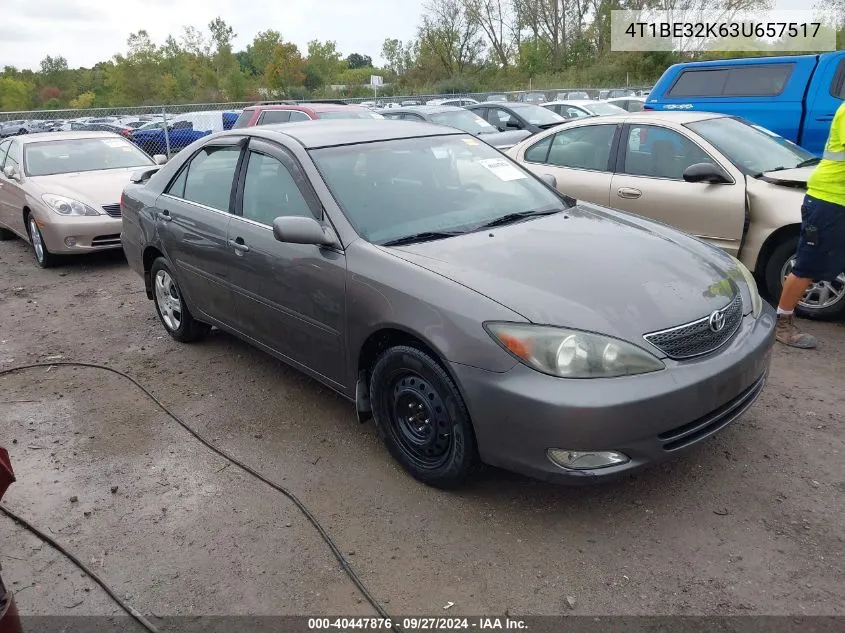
89	31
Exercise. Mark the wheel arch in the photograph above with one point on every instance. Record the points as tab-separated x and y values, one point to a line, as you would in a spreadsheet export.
150	254
775	239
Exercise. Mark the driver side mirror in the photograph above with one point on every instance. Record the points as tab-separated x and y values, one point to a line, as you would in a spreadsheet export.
550	180
159	159
302	230
705	172
12	173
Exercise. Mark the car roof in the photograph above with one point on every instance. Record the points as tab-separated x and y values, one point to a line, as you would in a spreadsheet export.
330	133
651	116
40	137
575	102
429	109
313	107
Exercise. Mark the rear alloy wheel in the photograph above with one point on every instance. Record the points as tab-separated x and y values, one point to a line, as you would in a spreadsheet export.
824	300
422	418
171	308
43	256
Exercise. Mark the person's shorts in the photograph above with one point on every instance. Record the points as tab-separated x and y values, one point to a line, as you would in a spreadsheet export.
825	259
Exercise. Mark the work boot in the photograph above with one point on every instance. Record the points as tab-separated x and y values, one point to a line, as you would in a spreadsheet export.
788	333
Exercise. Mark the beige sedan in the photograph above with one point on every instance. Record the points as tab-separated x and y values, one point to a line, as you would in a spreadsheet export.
722	179
61	191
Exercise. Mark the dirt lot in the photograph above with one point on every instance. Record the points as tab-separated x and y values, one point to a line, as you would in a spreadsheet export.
752	522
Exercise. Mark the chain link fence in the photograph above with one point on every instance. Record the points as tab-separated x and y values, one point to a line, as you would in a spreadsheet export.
166	129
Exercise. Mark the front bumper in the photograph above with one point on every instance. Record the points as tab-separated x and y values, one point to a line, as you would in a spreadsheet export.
519	414
90	233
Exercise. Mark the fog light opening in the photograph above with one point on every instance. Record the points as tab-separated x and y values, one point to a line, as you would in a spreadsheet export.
70	242
586	460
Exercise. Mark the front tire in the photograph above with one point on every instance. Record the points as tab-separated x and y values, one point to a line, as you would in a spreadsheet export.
170	305
6	234
43	257
421	417
823	300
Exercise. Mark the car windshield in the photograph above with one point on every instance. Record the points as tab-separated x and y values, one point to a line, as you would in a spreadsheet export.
538	115
441	184
349	114
603	109
463	120
752	148
83	154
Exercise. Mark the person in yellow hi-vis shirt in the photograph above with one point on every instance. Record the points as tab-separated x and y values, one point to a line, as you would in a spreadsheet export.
821	247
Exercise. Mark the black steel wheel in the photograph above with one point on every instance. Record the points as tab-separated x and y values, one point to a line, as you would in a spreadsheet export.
422	418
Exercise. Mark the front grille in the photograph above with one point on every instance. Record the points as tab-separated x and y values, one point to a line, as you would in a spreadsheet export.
697	338
707	425
112	209
106	240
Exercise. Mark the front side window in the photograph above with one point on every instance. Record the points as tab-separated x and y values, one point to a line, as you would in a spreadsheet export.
659	152
80	155
503	120
270	191
585	147
394	189
4	147
539	152
208	178
752	148
13	158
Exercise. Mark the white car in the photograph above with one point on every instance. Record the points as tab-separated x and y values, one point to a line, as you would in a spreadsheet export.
579	108
457	101
629	104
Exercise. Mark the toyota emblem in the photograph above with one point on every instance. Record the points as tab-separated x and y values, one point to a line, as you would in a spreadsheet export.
717	321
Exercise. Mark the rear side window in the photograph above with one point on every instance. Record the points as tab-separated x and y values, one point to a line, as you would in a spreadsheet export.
837	86
273	116
752	80
208	178
243	119
296	115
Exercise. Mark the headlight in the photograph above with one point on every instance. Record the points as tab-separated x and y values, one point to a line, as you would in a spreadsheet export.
751	283
572	353
67	206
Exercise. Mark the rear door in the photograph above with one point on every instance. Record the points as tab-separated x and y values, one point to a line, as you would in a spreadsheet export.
823	99
579	158
193	218
290	297
649	182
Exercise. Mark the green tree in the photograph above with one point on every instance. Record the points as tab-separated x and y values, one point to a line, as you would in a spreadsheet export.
356	60
286	68
14	94
261	49
324	62
399	56
224	60
83	101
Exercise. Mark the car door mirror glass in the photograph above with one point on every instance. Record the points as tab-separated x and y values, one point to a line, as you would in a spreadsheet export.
11	172
301	230
705	172
159	159
550	180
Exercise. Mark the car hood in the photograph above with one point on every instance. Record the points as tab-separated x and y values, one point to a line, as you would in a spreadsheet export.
588	268
96	188
789	177
505	139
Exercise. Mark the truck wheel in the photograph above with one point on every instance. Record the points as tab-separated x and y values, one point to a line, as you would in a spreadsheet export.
824	300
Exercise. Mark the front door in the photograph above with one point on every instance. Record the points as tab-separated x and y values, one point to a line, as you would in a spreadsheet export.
291	297
12	198
194	214
649	182
579	159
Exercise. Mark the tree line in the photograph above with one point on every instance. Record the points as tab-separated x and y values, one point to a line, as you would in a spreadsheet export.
459	46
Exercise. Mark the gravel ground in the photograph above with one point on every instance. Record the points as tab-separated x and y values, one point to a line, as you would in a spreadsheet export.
751	522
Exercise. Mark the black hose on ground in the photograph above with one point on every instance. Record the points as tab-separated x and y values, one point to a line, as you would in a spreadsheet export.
338	554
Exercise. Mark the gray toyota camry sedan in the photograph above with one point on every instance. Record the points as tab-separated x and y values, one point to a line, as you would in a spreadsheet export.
457	299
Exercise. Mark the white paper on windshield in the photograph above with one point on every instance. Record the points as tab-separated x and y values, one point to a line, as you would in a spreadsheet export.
502	169
114	143
440	152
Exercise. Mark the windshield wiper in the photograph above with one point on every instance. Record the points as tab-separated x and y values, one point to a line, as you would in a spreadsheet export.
425	236
815	160
510	218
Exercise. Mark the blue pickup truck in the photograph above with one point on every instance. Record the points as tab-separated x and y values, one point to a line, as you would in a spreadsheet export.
794	96
182	130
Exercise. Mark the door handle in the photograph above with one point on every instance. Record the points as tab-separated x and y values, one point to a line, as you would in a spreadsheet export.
164	216
825	117
238	245
629	192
